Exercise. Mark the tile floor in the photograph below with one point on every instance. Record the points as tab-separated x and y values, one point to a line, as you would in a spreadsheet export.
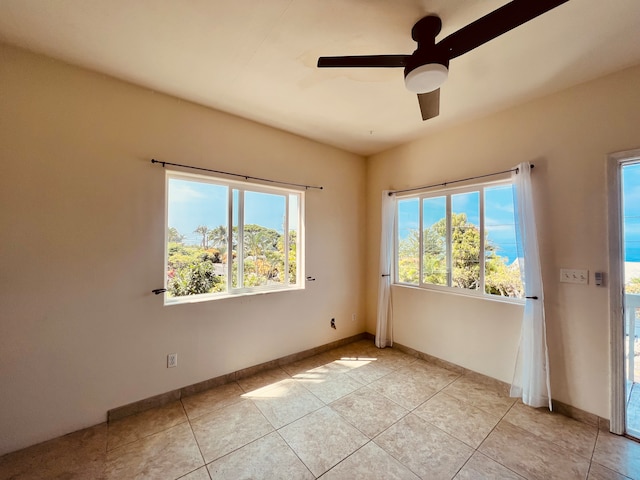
353	413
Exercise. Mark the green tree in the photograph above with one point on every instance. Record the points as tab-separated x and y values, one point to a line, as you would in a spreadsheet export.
292	257
191	270
409	258
260	238
262	262
465	252
219	237
204	231
500	278
173	235
195	278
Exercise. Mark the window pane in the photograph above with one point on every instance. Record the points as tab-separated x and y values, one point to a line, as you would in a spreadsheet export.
264	216
196	212
225	237
434	239
235	241
502	271
293	239
465	240
409	241
631	228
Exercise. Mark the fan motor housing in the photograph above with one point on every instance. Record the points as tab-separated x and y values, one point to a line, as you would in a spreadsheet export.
425	72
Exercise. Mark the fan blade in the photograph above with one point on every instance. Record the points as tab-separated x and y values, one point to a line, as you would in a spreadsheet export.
494	24
429	104
386	61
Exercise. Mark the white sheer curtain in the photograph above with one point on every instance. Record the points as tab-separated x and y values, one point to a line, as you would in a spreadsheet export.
531	376
384	330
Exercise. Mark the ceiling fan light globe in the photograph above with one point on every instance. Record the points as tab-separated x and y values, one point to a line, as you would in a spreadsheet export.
426	78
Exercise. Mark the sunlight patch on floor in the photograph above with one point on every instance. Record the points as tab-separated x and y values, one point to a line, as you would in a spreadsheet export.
275	390
314	375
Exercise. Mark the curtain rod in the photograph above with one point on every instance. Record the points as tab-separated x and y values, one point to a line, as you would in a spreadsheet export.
246	177
444	184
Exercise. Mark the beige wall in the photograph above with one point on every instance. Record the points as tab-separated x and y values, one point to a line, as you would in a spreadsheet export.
82	222
81	216
567	136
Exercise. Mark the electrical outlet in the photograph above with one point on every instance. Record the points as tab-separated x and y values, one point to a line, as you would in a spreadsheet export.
333	323
353	317
572	275
172	360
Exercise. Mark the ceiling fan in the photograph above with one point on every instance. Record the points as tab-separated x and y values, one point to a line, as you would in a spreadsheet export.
426	69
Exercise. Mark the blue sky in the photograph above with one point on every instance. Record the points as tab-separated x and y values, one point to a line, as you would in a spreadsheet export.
499	214
201	203
499	219
631	211
193	203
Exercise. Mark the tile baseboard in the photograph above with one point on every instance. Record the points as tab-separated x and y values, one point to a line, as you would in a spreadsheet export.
558	406
177	394
173	395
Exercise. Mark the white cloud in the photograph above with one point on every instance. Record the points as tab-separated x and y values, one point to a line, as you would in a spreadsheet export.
183	193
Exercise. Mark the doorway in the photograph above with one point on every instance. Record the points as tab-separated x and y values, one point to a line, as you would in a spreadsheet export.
624	239
630	192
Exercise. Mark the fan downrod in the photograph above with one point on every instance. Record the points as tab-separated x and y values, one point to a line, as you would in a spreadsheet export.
426	29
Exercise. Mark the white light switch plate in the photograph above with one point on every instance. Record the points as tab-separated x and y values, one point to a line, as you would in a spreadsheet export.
572	275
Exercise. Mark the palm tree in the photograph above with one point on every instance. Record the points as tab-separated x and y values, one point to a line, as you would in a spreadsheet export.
173	235
219	238
203	230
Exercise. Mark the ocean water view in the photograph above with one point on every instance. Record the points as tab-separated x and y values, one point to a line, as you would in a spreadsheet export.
510	252
632	254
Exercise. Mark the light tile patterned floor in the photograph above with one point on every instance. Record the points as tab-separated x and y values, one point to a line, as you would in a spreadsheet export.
353	413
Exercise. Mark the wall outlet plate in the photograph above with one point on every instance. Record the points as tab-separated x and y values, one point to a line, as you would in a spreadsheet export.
172	360
573	275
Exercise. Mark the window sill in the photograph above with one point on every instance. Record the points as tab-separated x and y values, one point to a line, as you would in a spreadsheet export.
208	297
461	293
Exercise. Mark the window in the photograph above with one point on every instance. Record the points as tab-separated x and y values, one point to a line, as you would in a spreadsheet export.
229	238
461	240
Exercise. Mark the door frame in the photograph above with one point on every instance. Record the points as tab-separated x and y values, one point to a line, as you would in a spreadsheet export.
616	285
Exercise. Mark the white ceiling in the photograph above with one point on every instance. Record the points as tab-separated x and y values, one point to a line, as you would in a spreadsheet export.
257	58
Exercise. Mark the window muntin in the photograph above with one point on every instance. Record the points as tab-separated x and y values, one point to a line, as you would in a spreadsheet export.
228	238
467	241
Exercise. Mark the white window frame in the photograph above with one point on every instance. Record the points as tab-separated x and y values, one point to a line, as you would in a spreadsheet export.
615	279
242	188
448	192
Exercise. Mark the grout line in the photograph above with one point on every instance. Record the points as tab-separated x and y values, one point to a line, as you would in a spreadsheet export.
477	450
193	433
161	430
345	458
465	463
189	473
392	369
295	453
